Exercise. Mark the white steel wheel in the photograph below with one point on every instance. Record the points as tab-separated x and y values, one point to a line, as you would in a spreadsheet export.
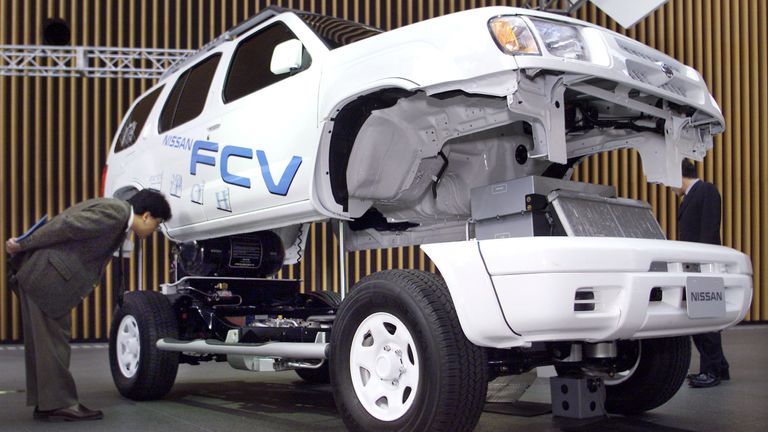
140	371
384	365
128	346
622	376
399	360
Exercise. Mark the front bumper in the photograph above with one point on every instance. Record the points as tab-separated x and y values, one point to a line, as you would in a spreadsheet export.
512	292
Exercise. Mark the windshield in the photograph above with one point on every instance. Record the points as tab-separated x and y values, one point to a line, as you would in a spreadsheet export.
336	32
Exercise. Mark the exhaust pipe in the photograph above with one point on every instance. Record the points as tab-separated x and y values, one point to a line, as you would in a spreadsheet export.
291	350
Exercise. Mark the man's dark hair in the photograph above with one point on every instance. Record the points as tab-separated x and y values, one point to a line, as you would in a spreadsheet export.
689	169
152	201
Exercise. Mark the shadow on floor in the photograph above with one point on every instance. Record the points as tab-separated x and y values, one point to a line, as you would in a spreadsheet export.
254	400
612	424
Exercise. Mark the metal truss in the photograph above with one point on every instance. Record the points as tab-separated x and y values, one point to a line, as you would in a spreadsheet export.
553	6
89	62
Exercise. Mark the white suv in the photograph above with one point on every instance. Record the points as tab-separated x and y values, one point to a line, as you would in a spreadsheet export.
458	133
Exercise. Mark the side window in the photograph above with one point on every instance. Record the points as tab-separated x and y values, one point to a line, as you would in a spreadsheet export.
129	134
250	68
187	98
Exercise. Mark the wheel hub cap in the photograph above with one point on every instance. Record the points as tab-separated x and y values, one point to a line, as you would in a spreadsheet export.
384	366
128	346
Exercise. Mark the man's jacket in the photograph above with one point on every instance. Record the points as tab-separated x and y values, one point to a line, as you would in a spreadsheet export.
65	258
699	216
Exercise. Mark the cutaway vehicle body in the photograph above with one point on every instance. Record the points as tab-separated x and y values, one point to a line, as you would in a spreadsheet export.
460	134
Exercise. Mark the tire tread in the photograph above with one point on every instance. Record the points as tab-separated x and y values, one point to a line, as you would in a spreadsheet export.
157	369
463	365
656	379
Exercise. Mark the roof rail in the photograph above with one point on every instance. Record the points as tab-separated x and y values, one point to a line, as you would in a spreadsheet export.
263	15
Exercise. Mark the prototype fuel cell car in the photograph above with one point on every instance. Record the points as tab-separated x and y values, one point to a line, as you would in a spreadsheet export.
460	134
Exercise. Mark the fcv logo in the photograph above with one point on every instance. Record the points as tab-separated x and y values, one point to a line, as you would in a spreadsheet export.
279	188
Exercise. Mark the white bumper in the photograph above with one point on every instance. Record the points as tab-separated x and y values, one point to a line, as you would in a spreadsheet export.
511	292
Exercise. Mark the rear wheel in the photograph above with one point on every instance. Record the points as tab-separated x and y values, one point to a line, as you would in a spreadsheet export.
141	371
651	372
320	375
400	360
653	379
327	298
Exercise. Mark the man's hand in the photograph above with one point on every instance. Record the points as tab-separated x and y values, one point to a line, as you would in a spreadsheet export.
12	247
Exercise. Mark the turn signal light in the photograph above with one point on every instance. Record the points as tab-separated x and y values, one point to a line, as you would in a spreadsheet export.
513	35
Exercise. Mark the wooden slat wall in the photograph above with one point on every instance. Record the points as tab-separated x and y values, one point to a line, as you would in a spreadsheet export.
55	132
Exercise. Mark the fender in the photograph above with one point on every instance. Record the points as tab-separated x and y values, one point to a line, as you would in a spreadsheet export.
474	296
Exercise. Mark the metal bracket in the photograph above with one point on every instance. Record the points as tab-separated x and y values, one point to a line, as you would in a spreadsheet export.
580	398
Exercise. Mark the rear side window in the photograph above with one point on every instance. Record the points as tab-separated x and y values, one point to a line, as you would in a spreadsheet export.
187	98
250	67
133	125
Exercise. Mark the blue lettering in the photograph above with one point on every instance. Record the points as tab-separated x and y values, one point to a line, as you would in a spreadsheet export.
281	188
203	159
225	174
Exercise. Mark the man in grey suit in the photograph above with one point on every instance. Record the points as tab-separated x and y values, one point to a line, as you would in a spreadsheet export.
59	265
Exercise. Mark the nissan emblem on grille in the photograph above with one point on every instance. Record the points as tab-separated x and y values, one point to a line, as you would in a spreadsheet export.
667	70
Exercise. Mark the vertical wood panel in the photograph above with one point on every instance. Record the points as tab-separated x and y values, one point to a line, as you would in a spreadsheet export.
7	307
761	263
96	162
108	128
13	161
743	148
58	148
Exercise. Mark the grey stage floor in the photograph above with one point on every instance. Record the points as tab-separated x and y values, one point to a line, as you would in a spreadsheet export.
214	397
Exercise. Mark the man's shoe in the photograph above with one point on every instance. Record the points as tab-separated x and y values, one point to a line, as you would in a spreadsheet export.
704	380
725	375
691	376
74	413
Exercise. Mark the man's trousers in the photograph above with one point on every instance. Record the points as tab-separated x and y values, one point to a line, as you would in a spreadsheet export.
47	352
710	348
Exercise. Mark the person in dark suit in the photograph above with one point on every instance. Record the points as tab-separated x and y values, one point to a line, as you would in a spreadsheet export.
58	265
698	220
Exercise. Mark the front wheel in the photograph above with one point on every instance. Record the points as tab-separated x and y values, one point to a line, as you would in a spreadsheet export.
140	370
400	360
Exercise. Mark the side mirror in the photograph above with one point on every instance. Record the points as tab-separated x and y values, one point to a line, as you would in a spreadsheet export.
287	57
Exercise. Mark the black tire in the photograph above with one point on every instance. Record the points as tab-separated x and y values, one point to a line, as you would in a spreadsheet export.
328	298
452	378
654	378
320	375
154	374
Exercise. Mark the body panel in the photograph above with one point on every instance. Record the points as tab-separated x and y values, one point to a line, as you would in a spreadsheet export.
532	283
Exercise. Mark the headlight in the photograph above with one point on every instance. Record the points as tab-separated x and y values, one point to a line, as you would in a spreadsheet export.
562	40
513	35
